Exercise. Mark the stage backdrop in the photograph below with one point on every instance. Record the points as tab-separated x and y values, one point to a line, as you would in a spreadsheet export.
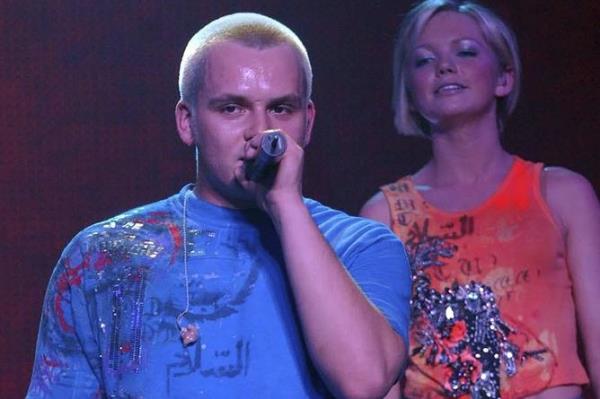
88	89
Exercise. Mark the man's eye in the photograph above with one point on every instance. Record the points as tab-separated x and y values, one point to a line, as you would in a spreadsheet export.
230	108
282	109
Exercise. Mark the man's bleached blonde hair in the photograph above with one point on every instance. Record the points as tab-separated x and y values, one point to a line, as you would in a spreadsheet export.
249	29
498	36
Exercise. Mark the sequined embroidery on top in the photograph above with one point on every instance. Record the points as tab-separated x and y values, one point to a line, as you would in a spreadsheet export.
127	307
460	328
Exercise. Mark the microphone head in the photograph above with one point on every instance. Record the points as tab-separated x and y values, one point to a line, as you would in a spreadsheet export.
272	145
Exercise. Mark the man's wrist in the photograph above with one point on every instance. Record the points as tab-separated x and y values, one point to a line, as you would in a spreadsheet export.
284	206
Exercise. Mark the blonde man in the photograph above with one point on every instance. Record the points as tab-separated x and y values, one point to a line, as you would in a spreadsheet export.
231	287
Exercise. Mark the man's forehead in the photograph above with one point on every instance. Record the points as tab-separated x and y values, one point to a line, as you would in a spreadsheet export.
230	63
232	51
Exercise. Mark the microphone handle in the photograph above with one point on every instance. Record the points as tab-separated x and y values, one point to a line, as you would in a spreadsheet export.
272	145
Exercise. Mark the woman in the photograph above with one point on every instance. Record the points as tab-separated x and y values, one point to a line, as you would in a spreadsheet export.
504	251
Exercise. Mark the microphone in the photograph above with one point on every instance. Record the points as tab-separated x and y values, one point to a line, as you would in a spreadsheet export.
272	145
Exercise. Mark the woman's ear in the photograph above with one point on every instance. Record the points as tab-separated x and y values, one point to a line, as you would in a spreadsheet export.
505	82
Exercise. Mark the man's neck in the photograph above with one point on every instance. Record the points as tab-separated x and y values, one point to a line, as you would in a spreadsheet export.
215	198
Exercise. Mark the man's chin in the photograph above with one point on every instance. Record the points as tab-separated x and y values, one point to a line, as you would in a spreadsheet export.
237	197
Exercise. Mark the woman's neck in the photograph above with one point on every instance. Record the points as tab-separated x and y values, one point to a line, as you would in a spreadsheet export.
465	155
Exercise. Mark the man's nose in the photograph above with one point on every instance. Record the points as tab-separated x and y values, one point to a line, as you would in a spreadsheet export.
260	122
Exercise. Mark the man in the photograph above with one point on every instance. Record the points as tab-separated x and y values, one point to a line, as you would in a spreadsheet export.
230	288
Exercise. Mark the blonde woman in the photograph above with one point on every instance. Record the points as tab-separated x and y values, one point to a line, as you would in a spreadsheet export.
504	251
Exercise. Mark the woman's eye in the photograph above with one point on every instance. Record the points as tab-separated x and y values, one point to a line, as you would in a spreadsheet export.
467	53
422	61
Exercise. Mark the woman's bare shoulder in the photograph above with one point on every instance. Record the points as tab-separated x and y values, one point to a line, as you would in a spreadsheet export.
376	208
569	194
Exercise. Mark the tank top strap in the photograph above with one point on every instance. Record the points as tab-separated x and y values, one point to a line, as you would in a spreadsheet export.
404	203
521	188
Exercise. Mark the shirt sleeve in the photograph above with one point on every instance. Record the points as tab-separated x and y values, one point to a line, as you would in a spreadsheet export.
378	263
65	364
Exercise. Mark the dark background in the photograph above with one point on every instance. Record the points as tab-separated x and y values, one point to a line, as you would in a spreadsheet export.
88	89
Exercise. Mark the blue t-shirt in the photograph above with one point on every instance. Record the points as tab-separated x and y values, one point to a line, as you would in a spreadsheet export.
108	324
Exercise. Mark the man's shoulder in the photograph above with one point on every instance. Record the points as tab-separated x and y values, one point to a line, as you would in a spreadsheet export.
335	222
154	213
141	229
360	243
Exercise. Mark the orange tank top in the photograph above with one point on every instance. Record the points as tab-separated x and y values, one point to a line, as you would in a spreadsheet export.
492	309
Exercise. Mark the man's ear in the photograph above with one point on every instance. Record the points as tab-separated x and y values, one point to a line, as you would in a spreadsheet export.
310	120
183	118
505	82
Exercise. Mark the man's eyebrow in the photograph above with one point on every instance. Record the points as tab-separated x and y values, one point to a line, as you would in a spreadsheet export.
294	99
227	98
288	99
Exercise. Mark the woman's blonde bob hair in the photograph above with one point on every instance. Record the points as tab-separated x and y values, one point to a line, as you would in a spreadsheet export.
498	36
